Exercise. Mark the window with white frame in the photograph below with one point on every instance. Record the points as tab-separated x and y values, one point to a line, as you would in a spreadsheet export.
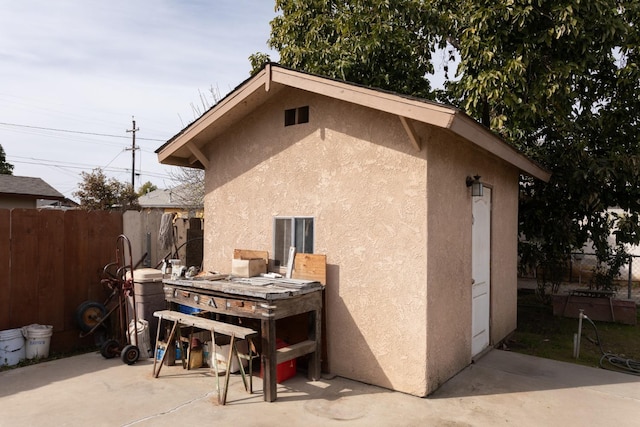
291	231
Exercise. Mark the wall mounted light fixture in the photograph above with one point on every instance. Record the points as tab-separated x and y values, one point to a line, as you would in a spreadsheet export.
476	186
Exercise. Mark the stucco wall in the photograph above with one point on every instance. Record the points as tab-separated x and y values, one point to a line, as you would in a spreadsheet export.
357	174
10	202
450	161
398	308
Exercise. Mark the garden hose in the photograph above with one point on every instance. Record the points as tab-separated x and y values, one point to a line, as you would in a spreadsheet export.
620	364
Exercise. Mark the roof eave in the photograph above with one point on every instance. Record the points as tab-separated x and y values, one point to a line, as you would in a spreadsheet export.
469	129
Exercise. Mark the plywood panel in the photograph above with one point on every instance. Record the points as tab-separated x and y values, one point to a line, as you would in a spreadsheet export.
5	278
310	267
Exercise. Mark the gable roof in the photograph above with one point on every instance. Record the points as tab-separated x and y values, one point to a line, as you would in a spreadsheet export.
184	149
28	187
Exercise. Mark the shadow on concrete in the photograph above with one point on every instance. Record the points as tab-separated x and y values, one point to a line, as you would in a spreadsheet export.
25	378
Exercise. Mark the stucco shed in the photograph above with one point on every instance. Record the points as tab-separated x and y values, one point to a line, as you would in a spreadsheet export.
421	276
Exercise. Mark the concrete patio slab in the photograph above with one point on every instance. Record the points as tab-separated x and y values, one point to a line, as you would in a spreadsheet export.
502	388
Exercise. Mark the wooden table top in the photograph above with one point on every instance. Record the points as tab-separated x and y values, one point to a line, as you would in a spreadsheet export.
257	287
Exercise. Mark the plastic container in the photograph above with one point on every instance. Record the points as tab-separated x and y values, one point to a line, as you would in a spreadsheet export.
144	342
38	339
12	348
150	297
185	309
284	370
221	354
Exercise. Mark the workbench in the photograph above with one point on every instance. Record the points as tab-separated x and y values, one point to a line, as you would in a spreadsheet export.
266	299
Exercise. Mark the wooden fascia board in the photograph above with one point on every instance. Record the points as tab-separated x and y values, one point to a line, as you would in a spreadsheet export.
411	133
482	137
207	119
411	109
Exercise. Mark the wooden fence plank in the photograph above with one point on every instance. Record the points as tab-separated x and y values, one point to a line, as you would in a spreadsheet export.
24	267
51	275
76	251
5	277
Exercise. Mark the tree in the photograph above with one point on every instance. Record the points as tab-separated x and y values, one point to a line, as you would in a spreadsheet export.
145	188
6	168
189	188
390	48
257	61
96	192
559	80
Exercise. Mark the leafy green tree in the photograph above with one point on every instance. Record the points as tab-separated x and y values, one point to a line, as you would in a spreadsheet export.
381	43
257	61
96	192
145	188
559	80
6	168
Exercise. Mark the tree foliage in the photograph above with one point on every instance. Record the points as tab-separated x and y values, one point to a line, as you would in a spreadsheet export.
189	188
559	80
367	42
145	188
6	168
96	192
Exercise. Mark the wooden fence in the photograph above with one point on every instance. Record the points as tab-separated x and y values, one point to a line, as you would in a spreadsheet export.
50	262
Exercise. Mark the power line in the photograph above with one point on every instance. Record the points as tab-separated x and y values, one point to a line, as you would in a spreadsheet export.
77	132
81	166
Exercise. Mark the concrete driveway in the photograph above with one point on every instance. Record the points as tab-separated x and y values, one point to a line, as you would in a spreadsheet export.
503	388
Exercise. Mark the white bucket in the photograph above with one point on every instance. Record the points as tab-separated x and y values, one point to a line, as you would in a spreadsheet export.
221	354
38	339
12	349
144	342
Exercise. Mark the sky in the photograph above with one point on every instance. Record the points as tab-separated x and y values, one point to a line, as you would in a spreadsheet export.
74	73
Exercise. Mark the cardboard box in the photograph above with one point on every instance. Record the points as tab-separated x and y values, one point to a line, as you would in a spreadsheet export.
248	267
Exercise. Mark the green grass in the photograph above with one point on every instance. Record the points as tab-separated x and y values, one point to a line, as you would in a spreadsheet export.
540	333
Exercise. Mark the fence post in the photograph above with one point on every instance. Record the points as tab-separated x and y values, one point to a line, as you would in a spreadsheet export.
629	279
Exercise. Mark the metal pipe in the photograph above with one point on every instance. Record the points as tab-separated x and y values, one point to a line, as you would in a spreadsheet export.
630	276
577	350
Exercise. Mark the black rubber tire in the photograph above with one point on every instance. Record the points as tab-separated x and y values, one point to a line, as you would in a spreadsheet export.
89	314
100	335
110	349
130	354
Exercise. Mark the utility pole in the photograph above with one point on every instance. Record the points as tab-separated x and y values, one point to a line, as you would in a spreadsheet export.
133	149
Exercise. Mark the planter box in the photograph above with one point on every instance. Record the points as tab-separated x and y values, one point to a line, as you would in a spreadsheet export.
600	309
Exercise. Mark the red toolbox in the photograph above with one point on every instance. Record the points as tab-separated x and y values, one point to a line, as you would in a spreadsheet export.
284	370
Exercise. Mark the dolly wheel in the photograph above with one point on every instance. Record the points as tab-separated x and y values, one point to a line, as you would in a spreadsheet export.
110	349
89	314
130	354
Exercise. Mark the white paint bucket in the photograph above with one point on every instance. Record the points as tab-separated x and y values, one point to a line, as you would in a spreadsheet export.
144	341
12	349
38	339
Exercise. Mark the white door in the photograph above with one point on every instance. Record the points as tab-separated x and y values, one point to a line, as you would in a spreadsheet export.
481	271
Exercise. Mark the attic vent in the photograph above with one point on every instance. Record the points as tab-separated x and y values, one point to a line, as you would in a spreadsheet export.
296	116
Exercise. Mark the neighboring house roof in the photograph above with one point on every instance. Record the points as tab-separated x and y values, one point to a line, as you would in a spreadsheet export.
28	187
162	198
184	149
59	204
